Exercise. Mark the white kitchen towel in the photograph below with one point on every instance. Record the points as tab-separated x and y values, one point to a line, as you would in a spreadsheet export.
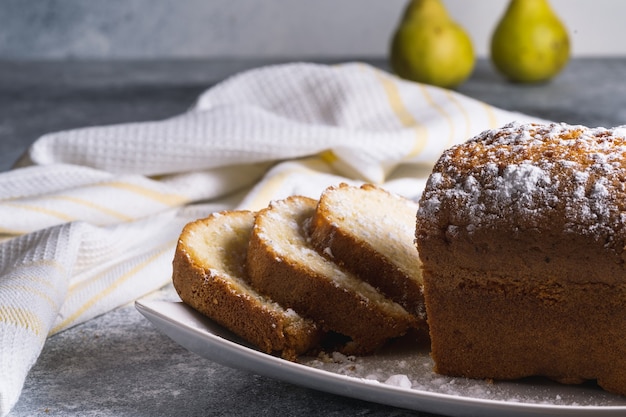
89	218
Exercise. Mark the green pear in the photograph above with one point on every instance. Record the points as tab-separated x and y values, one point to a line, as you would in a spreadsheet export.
530	44
429	47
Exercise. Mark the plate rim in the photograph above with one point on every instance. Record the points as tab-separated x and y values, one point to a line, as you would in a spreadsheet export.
153	310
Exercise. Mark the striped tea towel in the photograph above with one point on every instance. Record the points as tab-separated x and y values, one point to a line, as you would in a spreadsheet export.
90	218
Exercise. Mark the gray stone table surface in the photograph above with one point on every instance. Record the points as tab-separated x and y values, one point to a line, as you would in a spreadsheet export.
118	364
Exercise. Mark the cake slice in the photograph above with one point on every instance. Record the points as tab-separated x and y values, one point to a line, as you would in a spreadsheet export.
209	275
371	232
282	264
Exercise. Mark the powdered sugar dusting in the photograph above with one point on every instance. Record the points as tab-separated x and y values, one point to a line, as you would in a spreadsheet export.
404	366
520	181
531	175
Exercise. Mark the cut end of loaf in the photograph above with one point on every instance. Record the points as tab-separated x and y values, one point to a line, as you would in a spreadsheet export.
209	275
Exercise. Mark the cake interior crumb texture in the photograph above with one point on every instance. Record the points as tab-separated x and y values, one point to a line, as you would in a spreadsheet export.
282	264
370	232
291	222
209	275
385	221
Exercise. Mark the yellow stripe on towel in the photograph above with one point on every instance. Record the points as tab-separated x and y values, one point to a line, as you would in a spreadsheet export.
110	288
167	199
82	202
53	213
268	189
33	291
6	234
402	113
328	157
493	120
442	111
20	317
463	111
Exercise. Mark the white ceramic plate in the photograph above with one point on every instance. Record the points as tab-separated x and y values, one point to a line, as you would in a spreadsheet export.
398	376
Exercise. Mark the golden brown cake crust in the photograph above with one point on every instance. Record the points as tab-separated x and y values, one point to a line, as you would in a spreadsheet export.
294	284
213	293
521	235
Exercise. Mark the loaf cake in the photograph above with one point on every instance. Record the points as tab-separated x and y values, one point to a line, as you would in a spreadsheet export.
370	232
282	264
521	233
209	275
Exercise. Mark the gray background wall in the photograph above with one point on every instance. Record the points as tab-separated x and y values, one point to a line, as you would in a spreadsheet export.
75	29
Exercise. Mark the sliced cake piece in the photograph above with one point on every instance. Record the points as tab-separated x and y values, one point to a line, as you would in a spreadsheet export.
282	264
209	275
371	232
